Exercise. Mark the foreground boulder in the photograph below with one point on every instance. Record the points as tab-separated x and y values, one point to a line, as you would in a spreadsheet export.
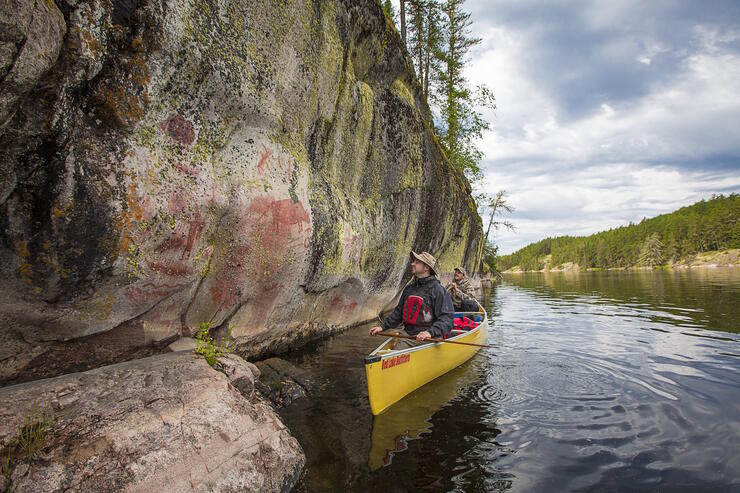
164	423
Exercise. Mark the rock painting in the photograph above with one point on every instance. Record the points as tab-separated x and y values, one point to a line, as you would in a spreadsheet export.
264	159
342	305
178	129
352	245
282	214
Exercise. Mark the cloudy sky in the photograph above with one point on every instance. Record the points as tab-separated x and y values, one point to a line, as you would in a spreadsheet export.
608	111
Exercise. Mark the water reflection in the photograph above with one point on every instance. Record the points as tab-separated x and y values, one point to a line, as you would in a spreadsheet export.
599	382
701	297
409	418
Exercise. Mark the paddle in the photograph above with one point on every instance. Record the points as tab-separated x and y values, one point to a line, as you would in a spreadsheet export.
433	339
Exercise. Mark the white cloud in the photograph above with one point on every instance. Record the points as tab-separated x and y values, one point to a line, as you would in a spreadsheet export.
608	112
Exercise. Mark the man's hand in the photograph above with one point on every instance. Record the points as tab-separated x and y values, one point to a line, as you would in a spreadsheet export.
423	335
375	330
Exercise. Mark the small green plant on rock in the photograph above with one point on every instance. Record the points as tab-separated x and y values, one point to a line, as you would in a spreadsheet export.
5	469
32	433
29	440
207	347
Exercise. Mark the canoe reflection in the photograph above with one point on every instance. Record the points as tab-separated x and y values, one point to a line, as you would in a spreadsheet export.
409	418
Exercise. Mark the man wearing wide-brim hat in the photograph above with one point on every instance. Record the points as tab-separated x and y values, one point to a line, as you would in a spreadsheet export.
425	308
460	288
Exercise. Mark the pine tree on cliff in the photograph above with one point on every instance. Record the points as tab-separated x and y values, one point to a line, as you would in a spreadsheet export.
388	8
462	124
425	38
402	13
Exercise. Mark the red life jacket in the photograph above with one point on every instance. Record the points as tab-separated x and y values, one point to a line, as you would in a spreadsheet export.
418	309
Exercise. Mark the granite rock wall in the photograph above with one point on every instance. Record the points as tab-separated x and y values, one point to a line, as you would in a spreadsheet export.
263	166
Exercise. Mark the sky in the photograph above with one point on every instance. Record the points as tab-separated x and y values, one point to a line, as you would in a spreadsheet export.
607	112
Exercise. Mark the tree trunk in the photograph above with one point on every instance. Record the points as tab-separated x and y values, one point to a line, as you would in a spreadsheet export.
403	22
426	62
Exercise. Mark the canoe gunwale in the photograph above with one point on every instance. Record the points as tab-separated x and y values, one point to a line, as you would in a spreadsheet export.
385	389
373	357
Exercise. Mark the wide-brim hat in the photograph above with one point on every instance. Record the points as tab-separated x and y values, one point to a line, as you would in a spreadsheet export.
425	257
462	270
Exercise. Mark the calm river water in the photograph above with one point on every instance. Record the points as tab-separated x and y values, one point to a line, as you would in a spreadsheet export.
604	381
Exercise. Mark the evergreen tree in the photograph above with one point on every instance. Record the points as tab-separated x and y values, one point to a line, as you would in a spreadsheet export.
651	252
388	8
425	39
704	226
461	122
402	14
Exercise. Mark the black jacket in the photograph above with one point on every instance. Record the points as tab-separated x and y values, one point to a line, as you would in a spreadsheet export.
438	301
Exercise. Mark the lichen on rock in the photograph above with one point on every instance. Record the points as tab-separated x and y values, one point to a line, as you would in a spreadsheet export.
265	166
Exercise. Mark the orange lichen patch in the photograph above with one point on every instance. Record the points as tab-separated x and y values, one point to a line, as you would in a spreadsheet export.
131	216
58	212
91	41
25	269
123	97
125	109
139	70
137	44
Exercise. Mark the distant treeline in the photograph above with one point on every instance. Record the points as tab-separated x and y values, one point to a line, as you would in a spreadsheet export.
704	226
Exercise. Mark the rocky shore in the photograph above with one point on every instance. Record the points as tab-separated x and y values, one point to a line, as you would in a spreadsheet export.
164	423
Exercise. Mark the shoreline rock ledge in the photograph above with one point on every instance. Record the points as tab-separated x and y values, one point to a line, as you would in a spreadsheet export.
164	423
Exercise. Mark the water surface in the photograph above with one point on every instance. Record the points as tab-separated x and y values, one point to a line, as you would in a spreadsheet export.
602	381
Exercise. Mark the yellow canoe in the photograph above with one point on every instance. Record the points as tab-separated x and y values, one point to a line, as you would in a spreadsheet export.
393	374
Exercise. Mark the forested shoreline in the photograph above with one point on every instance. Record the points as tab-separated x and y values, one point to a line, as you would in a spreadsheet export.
668	239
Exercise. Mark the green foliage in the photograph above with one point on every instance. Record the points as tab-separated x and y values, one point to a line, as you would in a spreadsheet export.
29	440
32	433
704	226
462	123
207	347
651	253
439	41
489	257
424	41
388	9
5	465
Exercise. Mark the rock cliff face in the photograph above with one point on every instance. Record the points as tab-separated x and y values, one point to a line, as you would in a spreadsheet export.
264	166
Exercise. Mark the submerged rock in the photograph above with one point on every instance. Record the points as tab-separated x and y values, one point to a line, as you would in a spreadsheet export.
164	423
283	382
